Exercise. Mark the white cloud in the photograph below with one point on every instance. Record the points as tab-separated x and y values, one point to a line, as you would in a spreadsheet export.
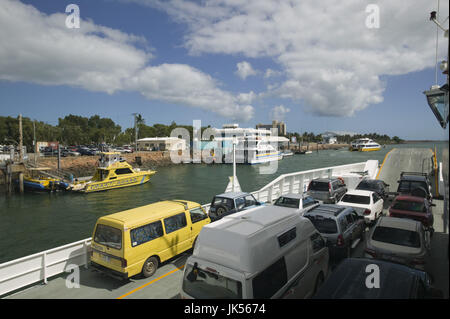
38	48
244	69
333	63
271	73
279	112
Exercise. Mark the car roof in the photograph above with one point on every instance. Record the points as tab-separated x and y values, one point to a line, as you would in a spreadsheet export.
371	181
324	180
137	216
410	198
232	194
327	209
242	241
413	178
348	281
359	192
400	223
296	196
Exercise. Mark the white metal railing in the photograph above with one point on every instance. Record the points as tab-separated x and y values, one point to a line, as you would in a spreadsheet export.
297	182
39	267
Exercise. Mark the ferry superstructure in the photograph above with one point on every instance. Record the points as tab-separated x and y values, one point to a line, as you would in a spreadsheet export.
254	146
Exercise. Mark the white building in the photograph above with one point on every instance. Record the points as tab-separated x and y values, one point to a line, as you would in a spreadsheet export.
160	143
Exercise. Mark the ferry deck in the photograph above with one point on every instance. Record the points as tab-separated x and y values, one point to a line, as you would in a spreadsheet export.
166	282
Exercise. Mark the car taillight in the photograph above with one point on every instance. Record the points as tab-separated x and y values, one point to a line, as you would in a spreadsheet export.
371	252
329	186
418	261
124	263
367	212
340	240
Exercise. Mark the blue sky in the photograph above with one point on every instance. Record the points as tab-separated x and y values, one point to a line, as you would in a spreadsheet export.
178	61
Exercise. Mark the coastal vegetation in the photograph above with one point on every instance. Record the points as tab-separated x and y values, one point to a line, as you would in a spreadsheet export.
79	130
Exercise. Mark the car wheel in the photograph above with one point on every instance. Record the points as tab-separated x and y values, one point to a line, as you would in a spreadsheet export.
220	211
319	282
348	252
150	266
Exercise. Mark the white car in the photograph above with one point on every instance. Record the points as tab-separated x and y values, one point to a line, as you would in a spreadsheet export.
300	202
366	203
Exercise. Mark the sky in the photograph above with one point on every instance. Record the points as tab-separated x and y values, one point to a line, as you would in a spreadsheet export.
317	66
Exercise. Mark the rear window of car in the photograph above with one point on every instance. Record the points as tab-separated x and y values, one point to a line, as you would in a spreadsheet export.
408	186
108	236
319	186
397	236
409	206
324	225
356	199
287	202
221	201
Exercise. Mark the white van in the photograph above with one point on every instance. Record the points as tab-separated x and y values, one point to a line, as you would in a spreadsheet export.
264	252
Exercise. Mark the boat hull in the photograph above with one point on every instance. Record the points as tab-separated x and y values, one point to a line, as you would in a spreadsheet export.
117	183
370	149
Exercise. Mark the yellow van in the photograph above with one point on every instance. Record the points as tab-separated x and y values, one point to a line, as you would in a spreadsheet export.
137	240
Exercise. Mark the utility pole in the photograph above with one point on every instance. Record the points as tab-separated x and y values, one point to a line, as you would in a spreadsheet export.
20	140
34	142
135	131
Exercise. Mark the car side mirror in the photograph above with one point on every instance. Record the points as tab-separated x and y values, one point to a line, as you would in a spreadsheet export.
433	205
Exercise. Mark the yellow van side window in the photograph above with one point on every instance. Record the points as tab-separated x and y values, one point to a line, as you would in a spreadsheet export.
197	214
175	222
146	233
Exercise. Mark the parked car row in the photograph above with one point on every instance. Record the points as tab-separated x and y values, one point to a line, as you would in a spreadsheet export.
398	245
248	249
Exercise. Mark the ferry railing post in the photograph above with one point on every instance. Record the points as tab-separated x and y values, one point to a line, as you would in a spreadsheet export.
86	254
44	259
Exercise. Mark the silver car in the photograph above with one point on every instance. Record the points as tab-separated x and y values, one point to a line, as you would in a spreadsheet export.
300	202
328	190
399	240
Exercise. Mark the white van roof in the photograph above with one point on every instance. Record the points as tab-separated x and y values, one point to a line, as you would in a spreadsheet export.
248	241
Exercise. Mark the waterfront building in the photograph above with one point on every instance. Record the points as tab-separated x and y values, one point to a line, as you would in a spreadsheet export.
160	144
281	126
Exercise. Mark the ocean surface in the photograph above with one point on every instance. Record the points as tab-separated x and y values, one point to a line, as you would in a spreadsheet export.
33	222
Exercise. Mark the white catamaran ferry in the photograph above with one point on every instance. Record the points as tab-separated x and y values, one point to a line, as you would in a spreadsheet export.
365	145
254	146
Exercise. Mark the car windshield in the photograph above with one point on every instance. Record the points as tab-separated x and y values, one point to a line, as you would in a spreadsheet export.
108	236
319	186
203	284
356	199
397	236
288	202
417	207
323	224
408	186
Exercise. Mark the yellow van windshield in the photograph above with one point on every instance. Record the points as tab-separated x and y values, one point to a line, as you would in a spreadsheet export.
108	236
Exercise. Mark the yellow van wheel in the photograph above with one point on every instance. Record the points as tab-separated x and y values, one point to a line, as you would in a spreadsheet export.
150	266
